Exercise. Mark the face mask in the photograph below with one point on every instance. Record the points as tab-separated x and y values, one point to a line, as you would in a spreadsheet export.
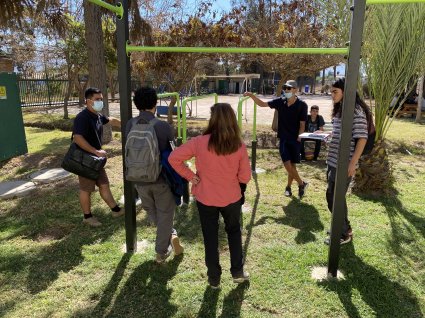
288	95
98	105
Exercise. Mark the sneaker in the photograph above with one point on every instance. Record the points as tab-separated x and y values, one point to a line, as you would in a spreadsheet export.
214	282
302	189
288	192
344	240
240	278
92	222
160	258
350	232
175	244
119	213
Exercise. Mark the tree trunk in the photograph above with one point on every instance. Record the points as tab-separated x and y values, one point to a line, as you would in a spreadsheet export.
279	86
421	84
374	175
67	94
334	72
96	58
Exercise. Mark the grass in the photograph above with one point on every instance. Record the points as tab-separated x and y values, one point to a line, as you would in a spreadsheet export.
51	265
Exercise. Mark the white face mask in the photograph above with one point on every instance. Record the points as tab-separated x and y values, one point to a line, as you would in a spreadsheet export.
98	105
288	95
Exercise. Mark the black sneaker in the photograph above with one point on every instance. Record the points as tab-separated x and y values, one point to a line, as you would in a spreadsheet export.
240	278
302	189
350	232
288	192
214	282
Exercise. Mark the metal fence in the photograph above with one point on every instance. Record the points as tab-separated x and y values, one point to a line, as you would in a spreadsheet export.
43	90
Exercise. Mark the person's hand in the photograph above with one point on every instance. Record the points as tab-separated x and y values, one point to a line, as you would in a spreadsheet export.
351	169
319	132
195	180
248	94
101	153
299	139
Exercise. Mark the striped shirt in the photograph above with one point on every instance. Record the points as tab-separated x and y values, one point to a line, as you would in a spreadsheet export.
359	131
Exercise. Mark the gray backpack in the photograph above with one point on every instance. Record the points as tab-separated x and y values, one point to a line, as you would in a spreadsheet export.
142	157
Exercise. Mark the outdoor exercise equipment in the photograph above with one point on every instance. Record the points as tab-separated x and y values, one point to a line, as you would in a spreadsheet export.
352	73
177	97
254	131
184	104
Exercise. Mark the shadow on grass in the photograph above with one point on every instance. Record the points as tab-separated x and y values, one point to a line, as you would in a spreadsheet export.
145	293
402	239
232	303
250	225
384	297
51	221
298	215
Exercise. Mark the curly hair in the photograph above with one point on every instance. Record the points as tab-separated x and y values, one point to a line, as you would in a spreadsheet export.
145	98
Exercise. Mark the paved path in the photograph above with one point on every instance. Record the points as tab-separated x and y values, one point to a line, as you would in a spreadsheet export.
201	108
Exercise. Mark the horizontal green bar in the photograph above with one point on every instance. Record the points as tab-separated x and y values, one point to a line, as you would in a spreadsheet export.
118	9
257	50
192	98
393	1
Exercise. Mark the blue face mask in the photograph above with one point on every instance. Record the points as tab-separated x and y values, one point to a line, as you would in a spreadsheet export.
98	105
288	95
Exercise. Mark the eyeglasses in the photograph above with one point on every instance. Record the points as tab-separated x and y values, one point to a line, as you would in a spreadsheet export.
287	88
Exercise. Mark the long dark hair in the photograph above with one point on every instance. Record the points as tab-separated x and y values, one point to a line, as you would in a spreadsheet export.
336	111
225	134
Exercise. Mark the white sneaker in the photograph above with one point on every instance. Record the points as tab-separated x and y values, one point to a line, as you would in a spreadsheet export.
92	222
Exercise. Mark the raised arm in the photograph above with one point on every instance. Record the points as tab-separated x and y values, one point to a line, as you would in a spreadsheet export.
258	101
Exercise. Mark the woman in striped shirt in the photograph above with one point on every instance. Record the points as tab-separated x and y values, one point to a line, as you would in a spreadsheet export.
357	144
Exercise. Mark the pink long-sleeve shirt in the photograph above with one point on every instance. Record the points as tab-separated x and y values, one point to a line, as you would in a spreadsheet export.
219	175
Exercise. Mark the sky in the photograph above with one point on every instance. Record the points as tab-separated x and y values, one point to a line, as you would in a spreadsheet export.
221	5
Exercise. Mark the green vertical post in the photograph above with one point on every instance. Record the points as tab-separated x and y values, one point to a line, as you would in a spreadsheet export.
126	114
349	101
184	104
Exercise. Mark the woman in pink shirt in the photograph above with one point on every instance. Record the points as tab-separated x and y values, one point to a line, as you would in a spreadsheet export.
222	170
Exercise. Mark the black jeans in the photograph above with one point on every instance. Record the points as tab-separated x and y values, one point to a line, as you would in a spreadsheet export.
316	148
209	222
330	176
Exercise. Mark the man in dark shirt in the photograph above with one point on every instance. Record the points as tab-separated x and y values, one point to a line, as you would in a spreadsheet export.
314	123
87	134
292	115
157	198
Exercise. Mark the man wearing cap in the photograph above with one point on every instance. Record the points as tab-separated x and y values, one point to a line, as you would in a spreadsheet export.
292	115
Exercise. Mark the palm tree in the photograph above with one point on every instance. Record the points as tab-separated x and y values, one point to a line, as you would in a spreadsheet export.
393	54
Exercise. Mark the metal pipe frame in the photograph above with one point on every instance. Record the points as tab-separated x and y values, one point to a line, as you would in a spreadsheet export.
118	9
132	48
184	104
393	1
349	101
126	113
177	96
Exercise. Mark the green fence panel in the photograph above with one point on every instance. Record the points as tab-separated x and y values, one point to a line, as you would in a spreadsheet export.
12	133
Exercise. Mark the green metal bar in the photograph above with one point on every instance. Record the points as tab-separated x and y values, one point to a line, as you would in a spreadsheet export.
393	1
132	48
177	96
184	104
117	9
243	99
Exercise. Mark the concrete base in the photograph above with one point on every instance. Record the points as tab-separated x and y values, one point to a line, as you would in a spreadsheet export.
12	189
49	175
321	274
246	208
259	171
122	201
142	247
